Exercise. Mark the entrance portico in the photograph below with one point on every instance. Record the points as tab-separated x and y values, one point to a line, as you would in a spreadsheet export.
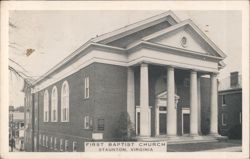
149	119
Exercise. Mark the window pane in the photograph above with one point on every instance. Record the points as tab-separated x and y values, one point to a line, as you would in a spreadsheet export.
100	125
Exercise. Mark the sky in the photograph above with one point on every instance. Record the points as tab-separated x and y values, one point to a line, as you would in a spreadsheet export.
56	34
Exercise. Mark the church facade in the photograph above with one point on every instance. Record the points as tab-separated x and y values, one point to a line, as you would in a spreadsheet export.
161	72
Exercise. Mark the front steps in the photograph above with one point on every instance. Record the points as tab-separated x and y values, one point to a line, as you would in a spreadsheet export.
183	139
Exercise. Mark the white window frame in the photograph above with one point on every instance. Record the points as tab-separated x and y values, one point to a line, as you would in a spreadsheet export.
74	147
66	145
43	140
40	139
61	144
54	104
47	141
65	102
86	122
223	122
51	142
55	143
46	106
86	87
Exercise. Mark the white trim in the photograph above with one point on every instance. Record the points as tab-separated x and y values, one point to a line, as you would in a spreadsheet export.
147	55
86	87
136	27
55	143
184	111
137	110
66	96
46	106
54	106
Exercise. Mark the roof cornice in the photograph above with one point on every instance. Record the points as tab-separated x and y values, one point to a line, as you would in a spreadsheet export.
129	29
161	46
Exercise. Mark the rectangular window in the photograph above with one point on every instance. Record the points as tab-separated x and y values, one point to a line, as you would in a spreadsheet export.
223	100
43	140
100	124
224	119
51	142
40	139
47	141
66	145
86	122
74	146
61	144
55	143
86	87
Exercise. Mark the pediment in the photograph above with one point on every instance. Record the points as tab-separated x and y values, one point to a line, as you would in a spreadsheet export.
182	38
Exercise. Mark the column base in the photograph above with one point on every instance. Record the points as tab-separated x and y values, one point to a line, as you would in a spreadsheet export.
142	138
214	135
172	137
195	136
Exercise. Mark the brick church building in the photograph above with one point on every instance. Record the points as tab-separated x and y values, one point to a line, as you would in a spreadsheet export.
161	72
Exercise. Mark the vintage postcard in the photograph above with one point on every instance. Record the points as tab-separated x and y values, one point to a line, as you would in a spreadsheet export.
125	79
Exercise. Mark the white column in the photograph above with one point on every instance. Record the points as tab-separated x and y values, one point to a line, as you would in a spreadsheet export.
131	96
214	106
199	103
144	101
157	124
171	109
193	104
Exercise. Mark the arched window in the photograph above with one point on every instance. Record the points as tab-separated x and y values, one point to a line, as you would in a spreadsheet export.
54	105
46	106
65	102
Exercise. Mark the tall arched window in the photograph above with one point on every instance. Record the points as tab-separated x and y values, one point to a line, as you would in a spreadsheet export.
65	102
54	105
46	106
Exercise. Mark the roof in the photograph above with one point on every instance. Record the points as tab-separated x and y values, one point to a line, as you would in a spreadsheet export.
103	40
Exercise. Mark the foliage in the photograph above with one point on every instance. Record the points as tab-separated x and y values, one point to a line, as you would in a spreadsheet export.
125	130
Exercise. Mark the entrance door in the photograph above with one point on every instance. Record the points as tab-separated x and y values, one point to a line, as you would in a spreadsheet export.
186	123
163	125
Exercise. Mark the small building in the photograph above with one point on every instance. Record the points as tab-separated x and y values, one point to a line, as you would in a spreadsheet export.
230	106
160	72
16	128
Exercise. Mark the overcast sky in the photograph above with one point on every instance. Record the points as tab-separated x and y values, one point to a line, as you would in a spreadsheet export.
56	34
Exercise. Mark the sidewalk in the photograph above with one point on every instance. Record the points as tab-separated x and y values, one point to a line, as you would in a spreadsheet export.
228	149
223	146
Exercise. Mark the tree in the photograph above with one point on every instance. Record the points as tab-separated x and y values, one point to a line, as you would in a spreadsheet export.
125	130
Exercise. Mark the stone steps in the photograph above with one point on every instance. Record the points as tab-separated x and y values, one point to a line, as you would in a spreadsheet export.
183	139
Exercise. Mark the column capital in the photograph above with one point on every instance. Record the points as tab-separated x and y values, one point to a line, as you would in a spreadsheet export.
170	67
193	71
143	64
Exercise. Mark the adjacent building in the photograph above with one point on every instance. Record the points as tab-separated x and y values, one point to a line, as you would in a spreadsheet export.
160	72
16	129
230	106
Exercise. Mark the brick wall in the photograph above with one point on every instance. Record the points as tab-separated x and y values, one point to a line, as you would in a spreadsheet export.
231	108
108	96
